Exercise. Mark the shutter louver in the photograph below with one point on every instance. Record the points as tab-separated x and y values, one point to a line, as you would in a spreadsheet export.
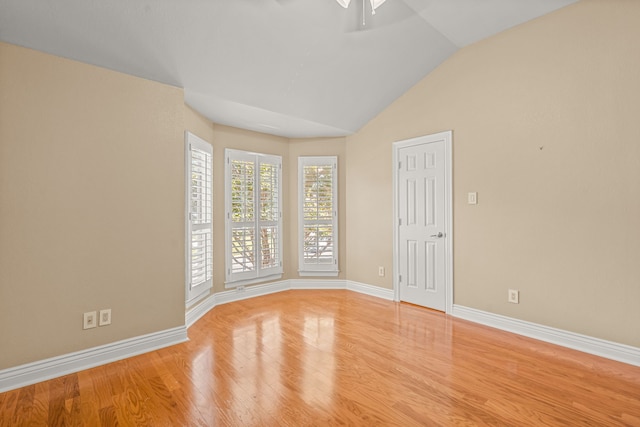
242	216
318	214
200	217
254	220
269	216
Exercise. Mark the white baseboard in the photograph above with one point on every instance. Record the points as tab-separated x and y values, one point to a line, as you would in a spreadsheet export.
238	294
599	347
374	291
253	291
231	295
317	284
47	369
197	311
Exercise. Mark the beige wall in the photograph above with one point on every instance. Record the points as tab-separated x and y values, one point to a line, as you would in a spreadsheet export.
197	124
545	129
91	205
316	147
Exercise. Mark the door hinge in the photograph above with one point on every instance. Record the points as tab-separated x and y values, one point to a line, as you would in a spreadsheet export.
399	221
399	278
399	165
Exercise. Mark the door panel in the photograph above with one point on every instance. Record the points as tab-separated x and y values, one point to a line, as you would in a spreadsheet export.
422	224
412	263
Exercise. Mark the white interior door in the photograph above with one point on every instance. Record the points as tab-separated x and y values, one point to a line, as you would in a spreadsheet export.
422	192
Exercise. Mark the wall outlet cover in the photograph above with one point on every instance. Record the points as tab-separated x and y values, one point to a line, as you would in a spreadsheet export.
89	320
105	317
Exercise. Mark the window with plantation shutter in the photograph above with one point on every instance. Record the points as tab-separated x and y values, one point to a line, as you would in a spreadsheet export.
253	217
318	216
199	214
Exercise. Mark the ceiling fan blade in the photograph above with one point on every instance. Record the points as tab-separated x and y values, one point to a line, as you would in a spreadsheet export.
376	3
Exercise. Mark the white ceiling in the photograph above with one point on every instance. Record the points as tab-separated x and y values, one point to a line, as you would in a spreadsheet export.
295	68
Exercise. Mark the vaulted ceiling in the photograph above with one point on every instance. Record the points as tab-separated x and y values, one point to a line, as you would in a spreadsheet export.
295	68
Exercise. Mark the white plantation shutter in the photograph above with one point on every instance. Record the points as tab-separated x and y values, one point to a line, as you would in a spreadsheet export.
253	216
199	216
318	216
242	215
269	220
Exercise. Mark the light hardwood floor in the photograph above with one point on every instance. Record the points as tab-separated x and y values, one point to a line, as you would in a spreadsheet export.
302	358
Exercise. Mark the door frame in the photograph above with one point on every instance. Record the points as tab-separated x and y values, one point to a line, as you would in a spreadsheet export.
447	137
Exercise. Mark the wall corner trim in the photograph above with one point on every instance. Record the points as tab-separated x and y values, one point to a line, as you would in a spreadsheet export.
47	369
596	346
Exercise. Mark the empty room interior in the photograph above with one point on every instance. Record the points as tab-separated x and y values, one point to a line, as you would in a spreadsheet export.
320	212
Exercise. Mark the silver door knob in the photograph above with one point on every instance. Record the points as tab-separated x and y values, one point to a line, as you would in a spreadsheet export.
439	235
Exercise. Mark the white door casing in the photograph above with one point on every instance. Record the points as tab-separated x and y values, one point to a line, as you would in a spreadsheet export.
422	221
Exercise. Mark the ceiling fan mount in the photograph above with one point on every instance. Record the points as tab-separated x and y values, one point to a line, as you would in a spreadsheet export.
374	4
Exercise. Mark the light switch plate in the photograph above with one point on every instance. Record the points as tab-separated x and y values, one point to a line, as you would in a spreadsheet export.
472	198
514	296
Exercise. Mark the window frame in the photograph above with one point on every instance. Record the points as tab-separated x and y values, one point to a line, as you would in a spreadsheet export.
194	292
317	268
258	273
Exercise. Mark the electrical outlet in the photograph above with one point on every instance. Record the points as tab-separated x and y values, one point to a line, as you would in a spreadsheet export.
89	320
381	271
105	317
514	296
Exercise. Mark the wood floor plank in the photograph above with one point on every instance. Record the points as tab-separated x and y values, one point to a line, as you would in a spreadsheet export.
8	402
338	358
25	405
